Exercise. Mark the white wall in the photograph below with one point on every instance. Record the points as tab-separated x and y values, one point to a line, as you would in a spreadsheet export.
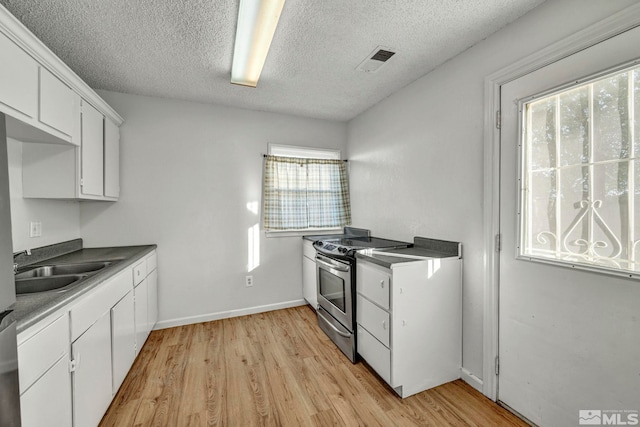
188	172
60	219
417	157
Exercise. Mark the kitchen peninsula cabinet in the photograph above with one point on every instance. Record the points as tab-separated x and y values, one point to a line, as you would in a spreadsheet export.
409	317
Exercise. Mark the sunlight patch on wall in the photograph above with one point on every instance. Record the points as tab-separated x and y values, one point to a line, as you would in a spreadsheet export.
433	265
253	255
253	207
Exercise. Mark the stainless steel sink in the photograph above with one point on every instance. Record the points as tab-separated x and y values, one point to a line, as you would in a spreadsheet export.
62	269
45	284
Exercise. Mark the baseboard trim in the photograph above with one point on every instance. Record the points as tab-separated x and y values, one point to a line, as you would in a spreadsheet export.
471	379
164	324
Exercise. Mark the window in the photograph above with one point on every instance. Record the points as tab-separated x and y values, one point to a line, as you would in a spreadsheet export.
580	197
305	189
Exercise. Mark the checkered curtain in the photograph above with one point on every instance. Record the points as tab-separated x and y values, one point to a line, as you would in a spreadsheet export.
305	193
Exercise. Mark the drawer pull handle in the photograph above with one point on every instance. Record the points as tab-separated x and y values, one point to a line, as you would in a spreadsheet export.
384	325
382	284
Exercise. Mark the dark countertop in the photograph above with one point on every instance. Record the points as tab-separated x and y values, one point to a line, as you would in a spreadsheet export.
346	231
31	308
425	249
315	237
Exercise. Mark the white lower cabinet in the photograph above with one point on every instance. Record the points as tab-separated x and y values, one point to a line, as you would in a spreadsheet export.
309	285
72	365
152	298
92	376
145	277
409	321
48	402
141	293
123	339
45	382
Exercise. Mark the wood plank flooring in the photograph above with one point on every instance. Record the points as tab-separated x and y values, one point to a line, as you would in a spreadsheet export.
277	369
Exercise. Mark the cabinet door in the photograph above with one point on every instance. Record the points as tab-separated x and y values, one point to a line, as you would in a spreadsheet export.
48	401
58	104
92	384
92	151
123	339
309	286
141	294
111	159
152	299
18	79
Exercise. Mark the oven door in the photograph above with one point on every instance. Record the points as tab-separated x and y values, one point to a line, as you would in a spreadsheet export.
334	289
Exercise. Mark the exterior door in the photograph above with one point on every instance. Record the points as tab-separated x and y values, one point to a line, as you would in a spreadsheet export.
569	338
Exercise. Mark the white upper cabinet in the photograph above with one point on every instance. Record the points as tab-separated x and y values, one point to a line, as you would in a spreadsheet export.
111	159
58	105
92	181
88	172
18	80
70	154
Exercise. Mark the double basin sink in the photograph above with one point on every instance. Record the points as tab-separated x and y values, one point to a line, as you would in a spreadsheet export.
55	277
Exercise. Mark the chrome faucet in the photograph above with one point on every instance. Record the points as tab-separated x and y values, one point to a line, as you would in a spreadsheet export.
26	252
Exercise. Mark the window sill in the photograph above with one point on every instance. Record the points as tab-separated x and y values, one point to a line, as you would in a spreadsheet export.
305	232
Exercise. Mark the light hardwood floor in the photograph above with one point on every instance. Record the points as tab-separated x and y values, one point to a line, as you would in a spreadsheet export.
277	369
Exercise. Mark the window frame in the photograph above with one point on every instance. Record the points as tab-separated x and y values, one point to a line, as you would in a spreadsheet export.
521	202
285	150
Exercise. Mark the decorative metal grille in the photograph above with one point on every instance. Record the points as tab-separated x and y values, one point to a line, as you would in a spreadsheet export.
581	184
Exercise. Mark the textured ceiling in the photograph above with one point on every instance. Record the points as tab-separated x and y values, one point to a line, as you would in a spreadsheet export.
183	49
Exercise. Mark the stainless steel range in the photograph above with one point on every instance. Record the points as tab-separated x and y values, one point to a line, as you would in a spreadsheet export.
336	279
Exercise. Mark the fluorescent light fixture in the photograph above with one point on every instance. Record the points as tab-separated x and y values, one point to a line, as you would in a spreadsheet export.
257	21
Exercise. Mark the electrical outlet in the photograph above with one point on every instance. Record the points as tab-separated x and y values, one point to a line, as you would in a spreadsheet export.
248	281
35	229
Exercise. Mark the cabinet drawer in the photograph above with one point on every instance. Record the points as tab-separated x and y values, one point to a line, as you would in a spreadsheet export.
374	283
139	272
377	355
152	262
104	296
374	319
37	354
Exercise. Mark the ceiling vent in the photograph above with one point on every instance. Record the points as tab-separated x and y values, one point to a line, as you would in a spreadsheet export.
376	59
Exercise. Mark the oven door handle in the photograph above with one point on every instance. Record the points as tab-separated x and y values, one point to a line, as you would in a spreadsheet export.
328	322
335	267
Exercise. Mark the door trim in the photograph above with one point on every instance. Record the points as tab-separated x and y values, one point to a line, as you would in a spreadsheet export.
607	28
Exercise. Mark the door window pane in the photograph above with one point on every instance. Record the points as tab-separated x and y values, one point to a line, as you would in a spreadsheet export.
581	193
